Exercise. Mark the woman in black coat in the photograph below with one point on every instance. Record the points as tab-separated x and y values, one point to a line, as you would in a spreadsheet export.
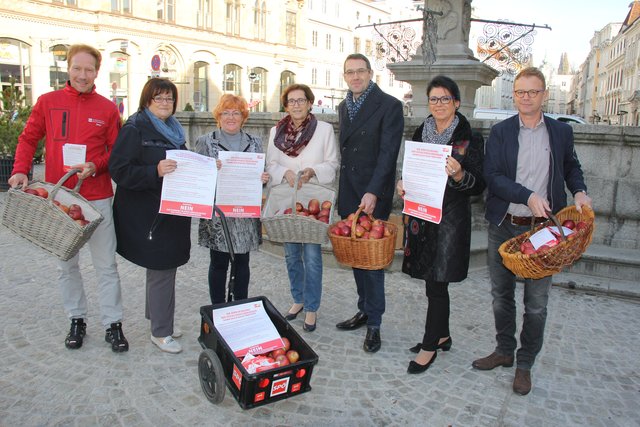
439	253
160	243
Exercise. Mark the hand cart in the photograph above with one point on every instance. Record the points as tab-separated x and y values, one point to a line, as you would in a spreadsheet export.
217	363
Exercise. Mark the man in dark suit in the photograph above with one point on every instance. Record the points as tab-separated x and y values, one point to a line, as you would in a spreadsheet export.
371	129
529	158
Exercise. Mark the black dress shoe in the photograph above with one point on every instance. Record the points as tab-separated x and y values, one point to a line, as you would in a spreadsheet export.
444	346
416	368
292	316
372	341
309	328
360	319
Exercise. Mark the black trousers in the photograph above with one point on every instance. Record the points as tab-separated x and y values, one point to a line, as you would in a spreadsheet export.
437	324
218	276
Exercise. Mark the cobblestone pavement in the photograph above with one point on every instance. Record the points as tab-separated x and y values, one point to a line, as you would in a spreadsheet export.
586	374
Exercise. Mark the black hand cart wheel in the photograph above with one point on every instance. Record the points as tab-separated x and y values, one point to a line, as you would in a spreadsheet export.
211	376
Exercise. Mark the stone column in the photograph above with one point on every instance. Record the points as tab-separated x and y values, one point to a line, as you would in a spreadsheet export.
453	58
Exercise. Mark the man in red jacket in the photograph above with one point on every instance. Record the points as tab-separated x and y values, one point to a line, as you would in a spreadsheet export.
78	116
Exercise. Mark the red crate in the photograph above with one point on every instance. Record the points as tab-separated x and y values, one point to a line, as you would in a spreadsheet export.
251	390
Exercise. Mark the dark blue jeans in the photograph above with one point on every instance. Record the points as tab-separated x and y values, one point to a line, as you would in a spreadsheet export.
370	285
536	296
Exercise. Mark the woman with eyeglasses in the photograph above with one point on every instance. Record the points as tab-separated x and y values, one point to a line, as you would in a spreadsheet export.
230	114
160	243
439	253
301	143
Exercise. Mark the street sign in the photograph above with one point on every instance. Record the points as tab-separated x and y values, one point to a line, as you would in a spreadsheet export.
155	63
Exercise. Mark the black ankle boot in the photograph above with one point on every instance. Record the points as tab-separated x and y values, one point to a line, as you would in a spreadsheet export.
76	333
115	337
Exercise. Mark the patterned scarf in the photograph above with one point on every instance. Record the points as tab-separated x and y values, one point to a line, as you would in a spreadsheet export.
354	106
170	128
430	132
291	141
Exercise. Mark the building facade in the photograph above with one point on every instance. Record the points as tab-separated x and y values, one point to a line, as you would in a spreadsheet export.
252	48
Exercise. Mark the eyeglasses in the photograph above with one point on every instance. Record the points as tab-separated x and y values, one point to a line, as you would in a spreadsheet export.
433	100
360	72
532	93
161	100
299	101
231	114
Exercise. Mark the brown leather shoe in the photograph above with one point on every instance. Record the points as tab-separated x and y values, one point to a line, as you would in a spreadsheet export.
522	382
492	361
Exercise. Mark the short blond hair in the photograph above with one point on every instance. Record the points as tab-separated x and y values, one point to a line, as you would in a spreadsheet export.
531	72
77	48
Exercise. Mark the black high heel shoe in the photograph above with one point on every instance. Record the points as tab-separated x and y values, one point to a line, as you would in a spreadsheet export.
416	368
445	346
292	316
310	327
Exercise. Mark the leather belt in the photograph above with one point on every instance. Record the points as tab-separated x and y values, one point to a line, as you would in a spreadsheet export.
525	220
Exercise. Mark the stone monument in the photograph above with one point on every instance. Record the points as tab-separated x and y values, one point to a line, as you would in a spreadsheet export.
445	51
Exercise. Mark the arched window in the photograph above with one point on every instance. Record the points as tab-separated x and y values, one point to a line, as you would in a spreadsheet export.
231	79
201	86
58	75
286	78
258	86
14	65
119	79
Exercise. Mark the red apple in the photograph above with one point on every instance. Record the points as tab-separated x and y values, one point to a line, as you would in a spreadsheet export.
359	230
350	217
287	343
299	207
376	233
324	212
282	360
326	205
581	225
293	356
345	231
82	222
42	192
365	235
303	213
387	231
335	230
569	223
366	223
543	248
278	352
31	191
314	206
288	211
64	208
324	219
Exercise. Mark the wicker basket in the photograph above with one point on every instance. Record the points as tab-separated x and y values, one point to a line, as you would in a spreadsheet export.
292	228
554	259
40	221
366	254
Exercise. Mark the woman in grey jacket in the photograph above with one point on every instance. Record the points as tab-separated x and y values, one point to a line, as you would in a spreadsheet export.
231	113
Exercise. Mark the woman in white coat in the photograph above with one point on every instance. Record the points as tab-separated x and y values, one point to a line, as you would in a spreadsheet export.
301	143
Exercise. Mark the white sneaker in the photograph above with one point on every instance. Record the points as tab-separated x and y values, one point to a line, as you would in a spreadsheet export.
167	344
177	333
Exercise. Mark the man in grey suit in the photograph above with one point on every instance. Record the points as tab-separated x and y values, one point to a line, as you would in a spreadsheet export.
371	130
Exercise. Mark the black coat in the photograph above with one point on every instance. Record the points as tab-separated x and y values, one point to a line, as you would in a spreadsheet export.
440	252
145	237
369	152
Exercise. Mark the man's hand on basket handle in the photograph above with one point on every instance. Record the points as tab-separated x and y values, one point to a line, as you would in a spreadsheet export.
88	169
368	203
581	199
19	180
538	205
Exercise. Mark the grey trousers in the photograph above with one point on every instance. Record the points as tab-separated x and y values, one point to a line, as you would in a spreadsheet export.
102	246
161	301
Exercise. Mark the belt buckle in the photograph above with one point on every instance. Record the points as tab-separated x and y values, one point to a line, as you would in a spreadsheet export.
512	220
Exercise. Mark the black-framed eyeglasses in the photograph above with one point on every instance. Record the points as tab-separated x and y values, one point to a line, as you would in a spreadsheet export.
299	101
360	72
532	93
161	99
433	100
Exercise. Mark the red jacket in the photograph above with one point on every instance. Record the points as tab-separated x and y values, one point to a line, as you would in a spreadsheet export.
67	116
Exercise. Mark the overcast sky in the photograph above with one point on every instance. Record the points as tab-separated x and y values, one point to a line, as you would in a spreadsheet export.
573	23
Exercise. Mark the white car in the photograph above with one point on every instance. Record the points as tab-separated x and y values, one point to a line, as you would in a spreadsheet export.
496	114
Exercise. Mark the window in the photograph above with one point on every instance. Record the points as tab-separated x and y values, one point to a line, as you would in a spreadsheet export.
233	17
341	44
328	42
201	86
14	66
119	79
260	20
205	14
314	76
166	10
287	78
58	75
291	28
327	78
314	38
121	6
391	79
324	6
231	79
356	45
258	89
368	48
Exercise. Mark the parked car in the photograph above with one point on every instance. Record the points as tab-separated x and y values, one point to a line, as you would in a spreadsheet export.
496	114
316	109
